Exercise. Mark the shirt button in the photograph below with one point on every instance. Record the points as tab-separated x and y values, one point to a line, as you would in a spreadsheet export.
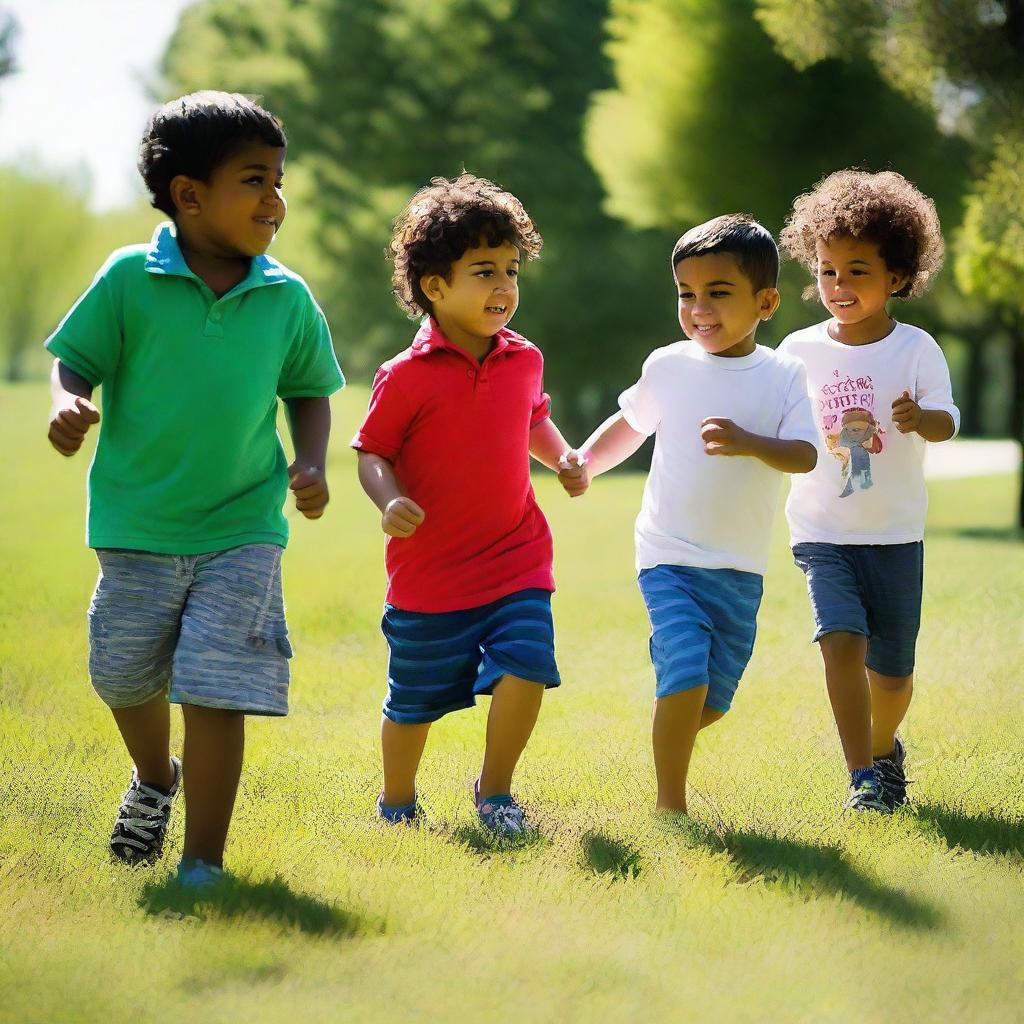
470	374
215	316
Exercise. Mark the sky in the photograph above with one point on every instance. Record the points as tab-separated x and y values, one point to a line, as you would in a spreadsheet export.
79	100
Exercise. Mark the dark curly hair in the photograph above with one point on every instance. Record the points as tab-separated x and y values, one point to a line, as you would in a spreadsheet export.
445	219
881	207
193	135
739	235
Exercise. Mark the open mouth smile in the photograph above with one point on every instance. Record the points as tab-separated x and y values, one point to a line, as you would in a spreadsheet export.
499	310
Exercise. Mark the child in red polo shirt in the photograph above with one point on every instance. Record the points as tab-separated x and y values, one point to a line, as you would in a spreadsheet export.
444	453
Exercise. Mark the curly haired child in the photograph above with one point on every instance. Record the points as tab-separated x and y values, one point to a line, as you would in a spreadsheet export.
444	453
857	521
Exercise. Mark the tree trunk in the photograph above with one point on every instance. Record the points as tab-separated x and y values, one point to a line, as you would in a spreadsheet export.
1016	418
974	380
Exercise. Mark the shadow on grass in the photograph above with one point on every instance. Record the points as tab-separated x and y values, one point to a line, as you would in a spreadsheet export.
980	833
1009	534
238	898
792	864
481	841
608	856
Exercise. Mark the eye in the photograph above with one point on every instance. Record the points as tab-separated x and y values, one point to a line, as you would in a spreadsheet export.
720	295
484	273
827	273
685	295
859	273
514	272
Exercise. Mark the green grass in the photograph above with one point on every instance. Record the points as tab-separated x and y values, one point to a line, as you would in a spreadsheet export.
770	907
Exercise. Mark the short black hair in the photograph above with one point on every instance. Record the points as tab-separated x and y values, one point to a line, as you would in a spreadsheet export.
739	235
194	134
444	220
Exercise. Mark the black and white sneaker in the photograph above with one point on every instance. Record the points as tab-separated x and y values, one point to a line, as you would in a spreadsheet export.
866	792
138	835
891	771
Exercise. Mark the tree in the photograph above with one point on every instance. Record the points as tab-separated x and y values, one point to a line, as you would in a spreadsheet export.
378	96
965	59
45	236
8	32
708	118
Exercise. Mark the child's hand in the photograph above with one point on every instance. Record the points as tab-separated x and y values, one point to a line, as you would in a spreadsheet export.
310	487
722	437
906	414
401	517
70	422
572	473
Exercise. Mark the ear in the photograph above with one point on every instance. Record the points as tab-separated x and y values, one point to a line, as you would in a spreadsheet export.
898	281
185	194
432	286
768	300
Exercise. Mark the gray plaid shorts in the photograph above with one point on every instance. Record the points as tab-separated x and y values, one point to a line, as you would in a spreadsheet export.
209	628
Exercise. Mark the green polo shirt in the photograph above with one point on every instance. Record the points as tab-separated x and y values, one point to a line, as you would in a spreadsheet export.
188	458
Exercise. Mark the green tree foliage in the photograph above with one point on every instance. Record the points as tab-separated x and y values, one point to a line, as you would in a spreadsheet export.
707	117
8	31
378	96
45	233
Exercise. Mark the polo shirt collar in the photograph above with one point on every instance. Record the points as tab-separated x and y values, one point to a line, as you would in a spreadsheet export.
164	256
430	338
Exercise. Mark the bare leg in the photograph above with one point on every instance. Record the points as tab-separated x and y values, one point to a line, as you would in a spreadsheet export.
890	698
401	750
515	705
674	726
214	748
146	731
847	683
709	716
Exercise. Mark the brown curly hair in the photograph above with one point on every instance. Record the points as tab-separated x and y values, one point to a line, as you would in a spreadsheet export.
445	219
882	207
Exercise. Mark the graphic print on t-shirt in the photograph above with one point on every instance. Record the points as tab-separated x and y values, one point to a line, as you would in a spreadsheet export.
852	434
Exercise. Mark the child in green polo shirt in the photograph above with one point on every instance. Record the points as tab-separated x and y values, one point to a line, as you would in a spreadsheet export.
194	338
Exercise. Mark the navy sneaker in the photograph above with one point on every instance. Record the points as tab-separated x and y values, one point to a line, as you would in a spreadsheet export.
397	814
138	836
891	770
866	792
501	815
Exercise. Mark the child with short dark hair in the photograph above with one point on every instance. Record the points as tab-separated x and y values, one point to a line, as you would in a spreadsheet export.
444	454
194	338
879	390
704	527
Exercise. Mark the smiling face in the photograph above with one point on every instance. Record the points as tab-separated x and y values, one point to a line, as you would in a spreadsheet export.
478	296
240	209
718	307
854	284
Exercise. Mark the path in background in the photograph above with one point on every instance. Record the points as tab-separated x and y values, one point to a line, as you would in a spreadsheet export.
971	458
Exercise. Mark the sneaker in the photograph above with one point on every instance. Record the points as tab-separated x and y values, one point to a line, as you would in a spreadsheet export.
501	815
891	771
194	873
397	814
141	826
866	792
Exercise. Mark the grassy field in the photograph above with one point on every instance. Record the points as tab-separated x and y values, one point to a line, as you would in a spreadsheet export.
775	909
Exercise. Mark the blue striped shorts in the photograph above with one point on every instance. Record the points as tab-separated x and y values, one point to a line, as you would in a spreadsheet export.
703	623
441	661
210	628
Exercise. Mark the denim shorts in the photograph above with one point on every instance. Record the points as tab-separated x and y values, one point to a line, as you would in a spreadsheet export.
870	589
703	624
210	628
441	661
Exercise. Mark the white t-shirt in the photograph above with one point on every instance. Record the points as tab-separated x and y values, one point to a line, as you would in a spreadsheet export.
868	486
712	511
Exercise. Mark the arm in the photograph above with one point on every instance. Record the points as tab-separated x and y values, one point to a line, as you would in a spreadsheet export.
399	515
613	442
72	412
723	437
309	420
931	424
547	445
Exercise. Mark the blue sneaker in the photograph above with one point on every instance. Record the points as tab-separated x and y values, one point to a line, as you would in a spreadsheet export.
891	770
194	873
866	792
397	814
501	815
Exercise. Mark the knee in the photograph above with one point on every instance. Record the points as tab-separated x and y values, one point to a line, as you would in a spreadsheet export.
709	716
892	684
842	647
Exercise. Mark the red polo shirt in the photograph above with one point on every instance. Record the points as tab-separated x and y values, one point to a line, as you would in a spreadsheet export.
458	435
